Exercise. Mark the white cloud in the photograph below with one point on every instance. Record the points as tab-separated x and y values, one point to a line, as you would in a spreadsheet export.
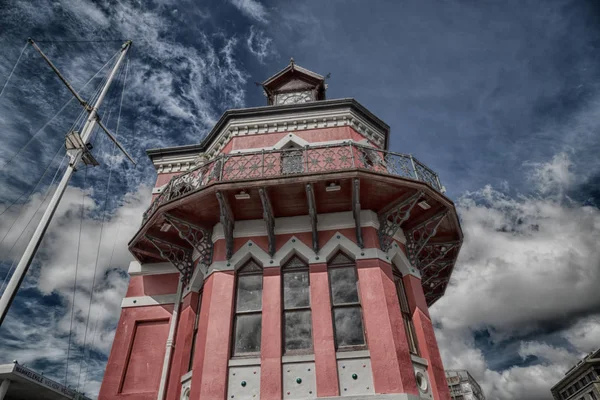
252	9
43	335
525	262
259	44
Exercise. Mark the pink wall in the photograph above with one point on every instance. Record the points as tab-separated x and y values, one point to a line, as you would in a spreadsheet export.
323	340
211	381
388	346
426	337
310	135
270	349
135	362
149	285
183	345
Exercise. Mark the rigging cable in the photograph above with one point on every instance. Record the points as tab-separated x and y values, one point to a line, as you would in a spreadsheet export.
14	67
55	115
102	224
31	192
76	269
31	219
79	120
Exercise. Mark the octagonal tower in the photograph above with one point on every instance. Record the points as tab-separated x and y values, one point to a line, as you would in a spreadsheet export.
290	255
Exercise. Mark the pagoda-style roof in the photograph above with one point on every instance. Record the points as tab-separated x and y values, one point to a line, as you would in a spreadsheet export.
294	78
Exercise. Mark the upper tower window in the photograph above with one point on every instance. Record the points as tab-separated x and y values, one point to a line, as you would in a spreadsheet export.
297	320
294	85
345	301
248	310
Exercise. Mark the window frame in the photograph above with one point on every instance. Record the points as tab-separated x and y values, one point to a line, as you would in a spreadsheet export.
352	265
241	273
285	269
407	321
195	332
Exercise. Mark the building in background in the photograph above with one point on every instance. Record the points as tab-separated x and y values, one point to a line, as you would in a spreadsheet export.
289	255
462	385
582	382
18	382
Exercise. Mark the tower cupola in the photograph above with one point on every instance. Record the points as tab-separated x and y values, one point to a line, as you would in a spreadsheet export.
294	85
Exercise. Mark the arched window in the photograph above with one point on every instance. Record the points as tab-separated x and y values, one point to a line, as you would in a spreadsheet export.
297	319
248	310
345	301
406	316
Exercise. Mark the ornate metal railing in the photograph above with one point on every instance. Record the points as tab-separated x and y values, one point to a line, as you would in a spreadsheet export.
289	162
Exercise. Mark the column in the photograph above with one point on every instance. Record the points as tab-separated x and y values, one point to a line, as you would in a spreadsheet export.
209	379
183	345
4	388
388	345
323	341
425	335
270	348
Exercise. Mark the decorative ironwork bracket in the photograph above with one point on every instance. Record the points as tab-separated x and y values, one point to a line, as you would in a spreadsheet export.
228	223
312	212
417	237
269	218
392	218
433	252
180	257
199	238
441	267
356	211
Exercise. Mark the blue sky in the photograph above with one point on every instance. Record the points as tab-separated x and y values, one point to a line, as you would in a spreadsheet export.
501	99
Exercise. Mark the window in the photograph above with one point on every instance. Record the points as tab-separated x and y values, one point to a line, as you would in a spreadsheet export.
248	310
297	320
193	348
292	160
593	396
409	327
347	313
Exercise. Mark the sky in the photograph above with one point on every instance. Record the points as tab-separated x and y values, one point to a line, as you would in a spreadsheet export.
501	98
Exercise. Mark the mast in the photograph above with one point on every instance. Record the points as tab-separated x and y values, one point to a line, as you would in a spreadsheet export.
36	239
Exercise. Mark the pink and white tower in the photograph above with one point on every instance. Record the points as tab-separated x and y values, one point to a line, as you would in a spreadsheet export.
289	255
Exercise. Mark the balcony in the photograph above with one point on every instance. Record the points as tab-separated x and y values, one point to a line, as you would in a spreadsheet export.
285	163
346	177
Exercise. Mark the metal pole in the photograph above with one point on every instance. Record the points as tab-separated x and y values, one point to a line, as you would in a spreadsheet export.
35	241
162	388
4	388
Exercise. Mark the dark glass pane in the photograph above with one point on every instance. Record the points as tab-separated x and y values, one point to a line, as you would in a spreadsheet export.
298	330
247	334
348	327
249	293
410	334
343	285
402	296
295	289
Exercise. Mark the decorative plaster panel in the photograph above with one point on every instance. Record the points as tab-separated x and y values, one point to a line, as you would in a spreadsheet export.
244	383
355	377
296	121
299	380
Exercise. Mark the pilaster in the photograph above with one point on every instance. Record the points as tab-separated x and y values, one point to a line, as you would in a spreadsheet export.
323	341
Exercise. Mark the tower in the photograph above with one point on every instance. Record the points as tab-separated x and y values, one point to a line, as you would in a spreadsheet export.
290	255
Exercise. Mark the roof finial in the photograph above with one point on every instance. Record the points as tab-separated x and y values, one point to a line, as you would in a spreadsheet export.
292	63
